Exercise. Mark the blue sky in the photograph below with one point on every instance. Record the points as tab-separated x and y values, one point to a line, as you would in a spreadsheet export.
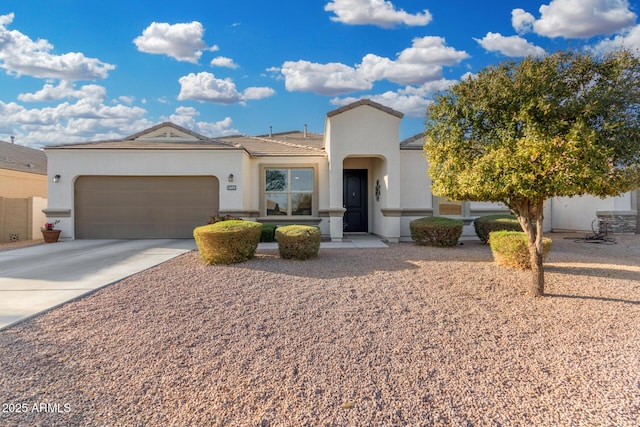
74	70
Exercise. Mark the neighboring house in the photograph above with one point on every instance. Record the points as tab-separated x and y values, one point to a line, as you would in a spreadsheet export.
162	182
23	171
23	192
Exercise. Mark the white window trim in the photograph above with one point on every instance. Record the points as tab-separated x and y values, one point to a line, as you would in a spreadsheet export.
263	192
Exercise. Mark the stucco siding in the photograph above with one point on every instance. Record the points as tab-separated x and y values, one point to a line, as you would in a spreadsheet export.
16	184
578	213
71	164
416	184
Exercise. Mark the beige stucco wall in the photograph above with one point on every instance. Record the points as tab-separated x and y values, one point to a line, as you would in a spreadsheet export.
577	213
16	184
370	133
416	184
73	163
21	218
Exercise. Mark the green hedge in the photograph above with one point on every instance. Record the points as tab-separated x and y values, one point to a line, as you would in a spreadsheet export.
227	242
488	223
510	248
436	231
298	241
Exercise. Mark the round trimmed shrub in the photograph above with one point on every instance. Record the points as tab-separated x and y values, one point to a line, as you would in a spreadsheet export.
488	223
511	249
298	241
436	231
227	242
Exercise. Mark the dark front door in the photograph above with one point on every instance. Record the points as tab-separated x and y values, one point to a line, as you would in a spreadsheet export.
354	194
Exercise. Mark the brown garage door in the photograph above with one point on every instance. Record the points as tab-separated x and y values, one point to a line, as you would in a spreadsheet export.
149	207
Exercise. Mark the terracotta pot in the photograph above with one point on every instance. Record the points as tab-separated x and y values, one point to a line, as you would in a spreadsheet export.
51	236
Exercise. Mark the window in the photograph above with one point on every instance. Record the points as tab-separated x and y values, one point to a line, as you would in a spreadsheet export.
289	191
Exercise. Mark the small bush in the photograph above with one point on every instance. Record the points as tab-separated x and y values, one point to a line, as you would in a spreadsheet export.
488	223
298	241
510	248
227	242
268	233
218	218
436	231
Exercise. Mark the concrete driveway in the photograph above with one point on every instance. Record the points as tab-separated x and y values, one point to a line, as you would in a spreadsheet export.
38	278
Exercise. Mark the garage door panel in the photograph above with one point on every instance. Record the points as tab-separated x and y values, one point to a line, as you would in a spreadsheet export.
143	207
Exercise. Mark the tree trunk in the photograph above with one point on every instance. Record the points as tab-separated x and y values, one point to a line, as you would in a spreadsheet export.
530	215
537	284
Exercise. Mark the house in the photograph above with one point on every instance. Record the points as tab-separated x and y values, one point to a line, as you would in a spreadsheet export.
23	191
164	181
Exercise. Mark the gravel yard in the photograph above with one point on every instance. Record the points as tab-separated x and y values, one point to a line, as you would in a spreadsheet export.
407	335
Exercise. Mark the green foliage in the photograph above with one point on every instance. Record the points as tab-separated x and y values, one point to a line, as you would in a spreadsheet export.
488	223
563	125
218	218
268	233
298	241
227	242
436	231
520	133
510	248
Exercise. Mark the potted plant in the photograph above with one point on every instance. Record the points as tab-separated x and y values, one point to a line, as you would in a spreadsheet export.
49	233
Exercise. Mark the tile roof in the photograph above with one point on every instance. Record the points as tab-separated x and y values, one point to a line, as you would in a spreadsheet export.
163	136
168	136
145	145
365	102
416	142
23	159
281	144
149	133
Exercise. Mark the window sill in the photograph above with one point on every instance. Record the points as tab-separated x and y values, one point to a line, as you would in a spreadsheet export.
282	219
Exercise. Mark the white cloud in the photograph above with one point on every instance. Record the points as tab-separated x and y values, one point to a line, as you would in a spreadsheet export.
375	68
205	87
629	40
522	21
431	50
222	61
580	18
428	89
416	65
326	79
86	119
511	46
374	12
65	89
126	99
258	92
186	117
410	105
182	42
412	100
22	56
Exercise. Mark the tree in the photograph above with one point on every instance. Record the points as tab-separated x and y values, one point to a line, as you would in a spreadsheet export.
519	133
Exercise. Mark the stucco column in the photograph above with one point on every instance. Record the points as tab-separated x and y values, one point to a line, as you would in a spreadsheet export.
336	226
336	208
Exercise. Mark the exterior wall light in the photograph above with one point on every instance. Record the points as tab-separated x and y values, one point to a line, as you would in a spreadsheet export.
230	177
56	178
